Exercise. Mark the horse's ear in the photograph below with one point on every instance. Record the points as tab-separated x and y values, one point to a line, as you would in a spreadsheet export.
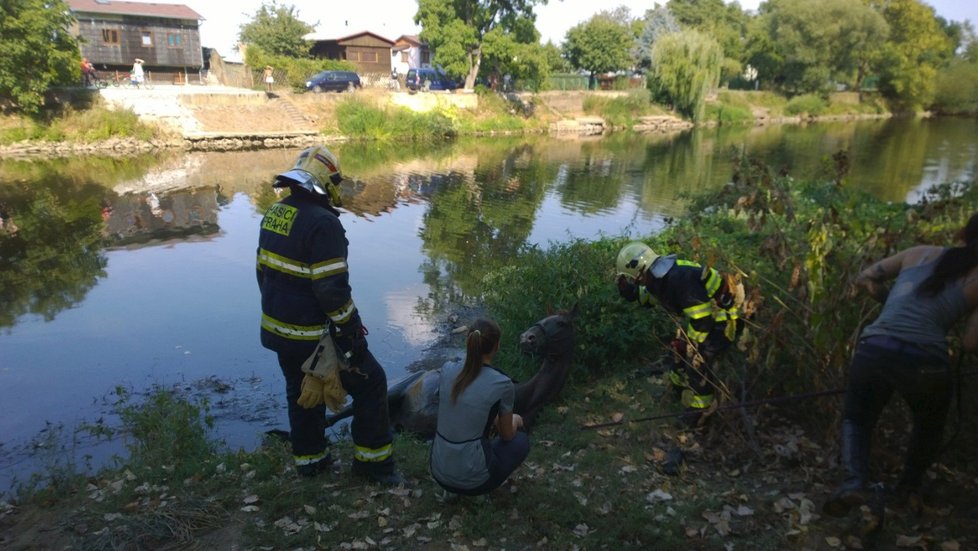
550	310
573	311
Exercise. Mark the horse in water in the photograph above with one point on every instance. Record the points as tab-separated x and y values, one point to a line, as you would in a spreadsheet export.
413	400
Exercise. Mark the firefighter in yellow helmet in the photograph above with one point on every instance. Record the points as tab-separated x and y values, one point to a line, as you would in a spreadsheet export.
305	297
703	297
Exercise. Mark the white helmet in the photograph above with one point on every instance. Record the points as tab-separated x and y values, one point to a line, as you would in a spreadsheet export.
634	258
317	171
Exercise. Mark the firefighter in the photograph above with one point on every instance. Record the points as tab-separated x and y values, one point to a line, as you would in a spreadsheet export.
305	292
708	302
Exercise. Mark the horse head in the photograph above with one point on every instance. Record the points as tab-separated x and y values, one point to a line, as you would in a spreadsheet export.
552	335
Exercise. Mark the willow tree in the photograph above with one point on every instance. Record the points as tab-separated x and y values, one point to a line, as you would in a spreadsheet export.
685	67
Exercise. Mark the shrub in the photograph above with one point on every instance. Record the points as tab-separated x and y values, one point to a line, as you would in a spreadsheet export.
728	114
291	71
786	238
359	119
806	104
957	88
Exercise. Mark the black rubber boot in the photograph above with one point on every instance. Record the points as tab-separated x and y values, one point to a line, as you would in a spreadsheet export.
384	473
855	460
312	469
674	460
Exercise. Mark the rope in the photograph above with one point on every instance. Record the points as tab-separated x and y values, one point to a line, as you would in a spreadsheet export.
761	402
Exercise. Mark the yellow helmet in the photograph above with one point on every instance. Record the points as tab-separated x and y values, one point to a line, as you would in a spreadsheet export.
317	171
634	258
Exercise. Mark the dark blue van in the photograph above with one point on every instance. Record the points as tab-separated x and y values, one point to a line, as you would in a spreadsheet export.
429	79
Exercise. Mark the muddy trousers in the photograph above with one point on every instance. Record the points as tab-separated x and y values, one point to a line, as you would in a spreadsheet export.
879	367
370	427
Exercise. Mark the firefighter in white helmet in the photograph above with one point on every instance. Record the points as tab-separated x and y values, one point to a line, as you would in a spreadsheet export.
701	295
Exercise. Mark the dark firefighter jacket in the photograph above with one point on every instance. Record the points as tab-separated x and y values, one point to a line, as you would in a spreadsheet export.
303	276
700	295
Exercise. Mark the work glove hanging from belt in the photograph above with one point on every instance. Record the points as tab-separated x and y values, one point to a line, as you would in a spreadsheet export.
312	392
351	342
322	384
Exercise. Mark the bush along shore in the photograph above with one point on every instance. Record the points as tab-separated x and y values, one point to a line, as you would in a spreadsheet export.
81	124
754	477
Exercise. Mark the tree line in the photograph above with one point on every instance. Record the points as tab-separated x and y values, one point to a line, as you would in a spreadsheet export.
901	49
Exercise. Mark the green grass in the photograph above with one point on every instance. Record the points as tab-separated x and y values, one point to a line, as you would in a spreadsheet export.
623	111
85	125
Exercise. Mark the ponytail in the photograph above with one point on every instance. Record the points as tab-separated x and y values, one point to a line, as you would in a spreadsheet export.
482	339
954	262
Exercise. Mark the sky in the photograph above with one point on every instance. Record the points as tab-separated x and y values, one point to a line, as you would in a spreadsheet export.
393	18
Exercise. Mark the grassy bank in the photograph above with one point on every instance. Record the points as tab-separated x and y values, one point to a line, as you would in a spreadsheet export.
754	478
81	119
744	107
370	117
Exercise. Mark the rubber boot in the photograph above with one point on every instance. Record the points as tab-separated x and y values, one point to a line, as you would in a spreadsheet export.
674	460
384	473
855	460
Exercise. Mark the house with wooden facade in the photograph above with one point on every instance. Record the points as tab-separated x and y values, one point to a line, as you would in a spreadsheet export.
112	34
409	53
369	52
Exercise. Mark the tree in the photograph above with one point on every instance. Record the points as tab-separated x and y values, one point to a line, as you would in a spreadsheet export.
456	29
555	58
912	55
656	23
38	51
685	67
277	30
503	55
821	42
726	23
599	45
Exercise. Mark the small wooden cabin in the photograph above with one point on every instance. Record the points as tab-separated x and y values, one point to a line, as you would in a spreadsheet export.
369	52
112	34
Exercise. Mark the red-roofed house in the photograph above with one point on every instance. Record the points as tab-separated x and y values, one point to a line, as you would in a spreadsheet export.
113	34
409	53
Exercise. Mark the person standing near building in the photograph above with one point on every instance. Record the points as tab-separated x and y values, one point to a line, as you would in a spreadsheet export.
305	293
906	350
88	71
137	73
269	78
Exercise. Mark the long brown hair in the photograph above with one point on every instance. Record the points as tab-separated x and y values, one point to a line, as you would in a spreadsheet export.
482	339
954	262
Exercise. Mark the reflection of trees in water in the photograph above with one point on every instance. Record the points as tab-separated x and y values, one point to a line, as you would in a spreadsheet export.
55	231
477	222
54	257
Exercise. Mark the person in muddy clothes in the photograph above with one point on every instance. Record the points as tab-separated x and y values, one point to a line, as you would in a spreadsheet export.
477	398
906	350
305	297
704	297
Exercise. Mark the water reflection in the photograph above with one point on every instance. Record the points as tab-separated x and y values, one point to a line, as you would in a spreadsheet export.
123	270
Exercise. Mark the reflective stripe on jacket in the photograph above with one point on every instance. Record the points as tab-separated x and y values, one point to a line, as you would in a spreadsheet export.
689	288
302	274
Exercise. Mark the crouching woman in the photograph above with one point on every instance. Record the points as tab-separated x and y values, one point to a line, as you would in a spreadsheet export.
475	399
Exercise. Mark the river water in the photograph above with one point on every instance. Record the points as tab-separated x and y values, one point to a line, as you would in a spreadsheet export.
137	272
